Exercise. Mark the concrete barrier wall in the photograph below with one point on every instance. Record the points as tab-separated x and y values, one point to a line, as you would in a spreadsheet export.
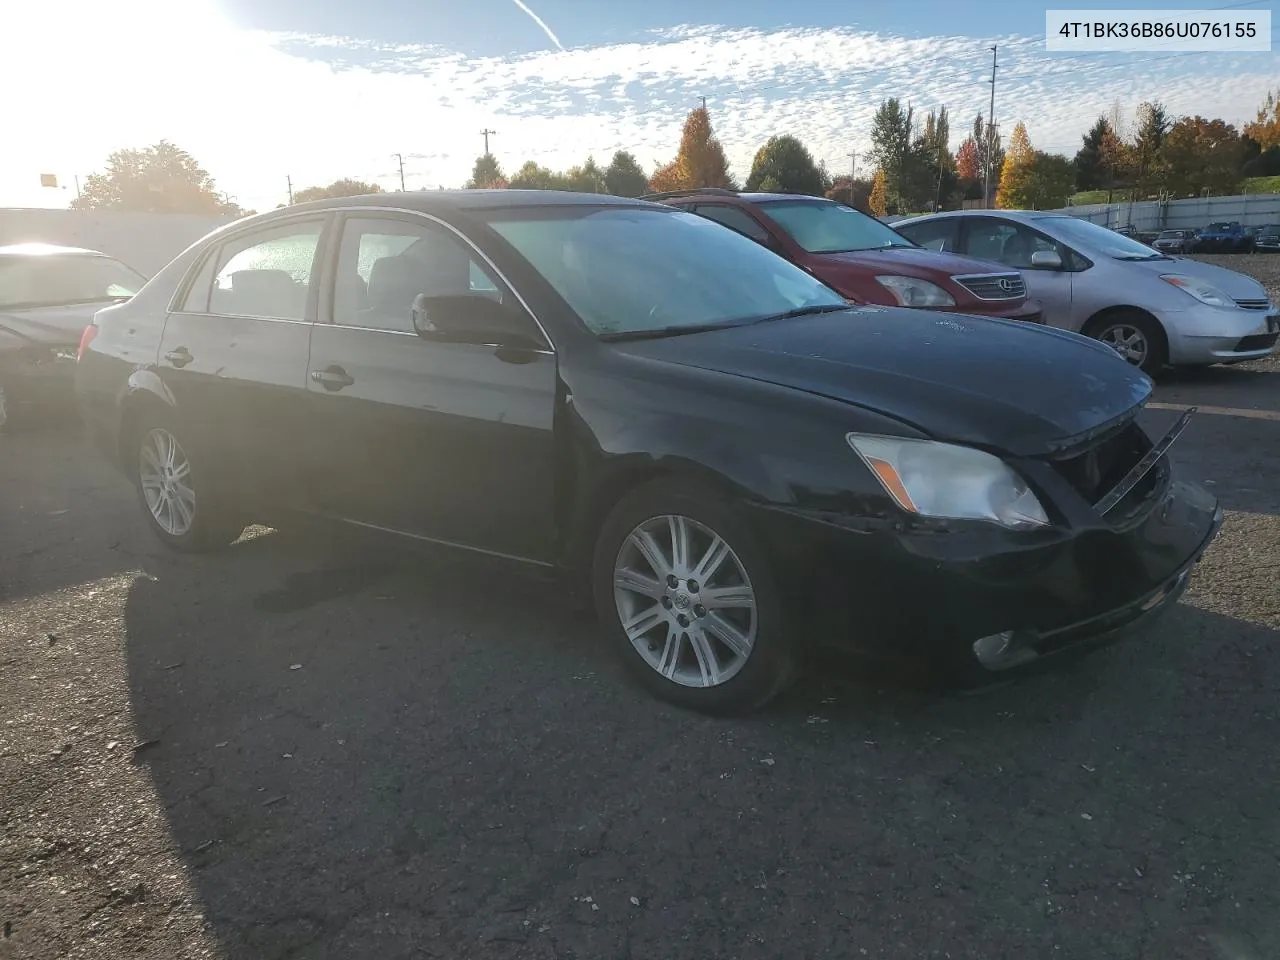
1250	210
145	241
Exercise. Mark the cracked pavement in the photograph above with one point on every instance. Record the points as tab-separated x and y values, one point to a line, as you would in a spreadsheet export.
313	747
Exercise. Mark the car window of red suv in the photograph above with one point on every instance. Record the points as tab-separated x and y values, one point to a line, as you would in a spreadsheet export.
823	226
734	219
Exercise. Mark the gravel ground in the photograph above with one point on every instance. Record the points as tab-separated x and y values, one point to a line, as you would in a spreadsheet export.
312	748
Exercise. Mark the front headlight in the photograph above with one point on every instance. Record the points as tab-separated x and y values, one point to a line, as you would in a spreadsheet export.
950	482
912	292
1199	289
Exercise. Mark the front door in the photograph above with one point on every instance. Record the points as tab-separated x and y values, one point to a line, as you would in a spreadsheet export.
447	441
1013	244
234	356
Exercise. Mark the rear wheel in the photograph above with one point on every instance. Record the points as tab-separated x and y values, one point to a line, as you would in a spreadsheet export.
686	593
181	501
1136	337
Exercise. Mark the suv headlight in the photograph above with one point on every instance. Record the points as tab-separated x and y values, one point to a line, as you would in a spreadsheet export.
1199	289
912	292
947	481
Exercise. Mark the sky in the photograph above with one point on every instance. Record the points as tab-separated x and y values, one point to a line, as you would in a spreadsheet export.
267	92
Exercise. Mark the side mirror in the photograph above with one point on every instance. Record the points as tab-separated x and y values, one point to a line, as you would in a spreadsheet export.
472	318
1046	260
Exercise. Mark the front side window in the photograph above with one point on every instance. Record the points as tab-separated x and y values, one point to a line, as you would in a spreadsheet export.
939	235
385	264
55	279
824	226
626	270
1007	242
265	274
734	219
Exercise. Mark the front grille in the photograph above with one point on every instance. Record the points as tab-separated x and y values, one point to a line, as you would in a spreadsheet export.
1263	304
1094	471
994	286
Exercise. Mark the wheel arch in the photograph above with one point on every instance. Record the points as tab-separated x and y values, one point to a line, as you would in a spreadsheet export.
144	394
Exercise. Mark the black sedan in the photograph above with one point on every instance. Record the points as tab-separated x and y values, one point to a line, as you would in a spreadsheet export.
736	461
48	293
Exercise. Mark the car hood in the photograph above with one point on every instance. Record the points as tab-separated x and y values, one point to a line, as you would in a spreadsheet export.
913	262
1234	285
1020	389
52	326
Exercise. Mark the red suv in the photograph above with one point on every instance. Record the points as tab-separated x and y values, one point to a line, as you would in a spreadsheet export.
861	258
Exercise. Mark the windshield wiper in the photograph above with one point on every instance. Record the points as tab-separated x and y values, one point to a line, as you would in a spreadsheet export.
813	308
1142	258
674	330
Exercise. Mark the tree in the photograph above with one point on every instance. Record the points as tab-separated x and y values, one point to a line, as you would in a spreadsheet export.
534	177
339	188
967	162
159	179
486	174
859	197
787	163
669	177
1266	128
587	178
624	177
1016	159
1203	155
700	161
1152	127
1090	174
1116	160
1041	181
878	201
890	146
990	151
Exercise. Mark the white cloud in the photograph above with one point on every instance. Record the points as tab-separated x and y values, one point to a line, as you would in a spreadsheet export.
255	108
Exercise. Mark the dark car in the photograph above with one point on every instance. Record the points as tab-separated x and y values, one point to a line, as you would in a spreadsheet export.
734	461
1175	241
1226	237
1268	238
860	257
48	293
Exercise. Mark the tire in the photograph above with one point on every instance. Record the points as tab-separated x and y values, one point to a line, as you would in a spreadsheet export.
1133	328
720	660
206	523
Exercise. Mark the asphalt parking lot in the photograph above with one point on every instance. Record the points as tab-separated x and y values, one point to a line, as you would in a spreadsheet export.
308	747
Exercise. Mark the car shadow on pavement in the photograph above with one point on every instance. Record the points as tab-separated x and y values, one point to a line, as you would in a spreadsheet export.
369	756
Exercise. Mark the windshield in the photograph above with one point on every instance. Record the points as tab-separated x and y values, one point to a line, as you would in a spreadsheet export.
1220	227
1171	235
627	270
1097	239
821	226
59	279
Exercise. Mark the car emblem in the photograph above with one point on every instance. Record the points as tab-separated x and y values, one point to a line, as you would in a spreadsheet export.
1006	284
682	601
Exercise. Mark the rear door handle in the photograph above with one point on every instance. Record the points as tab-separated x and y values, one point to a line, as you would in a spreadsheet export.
179	357
332	378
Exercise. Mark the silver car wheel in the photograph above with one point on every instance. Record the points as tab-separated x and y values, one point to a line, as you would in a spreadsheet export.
1128	341
165	475
685	601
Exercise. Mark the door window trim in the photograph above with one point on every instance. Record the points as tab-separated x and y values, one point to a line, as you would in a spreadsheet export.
214	251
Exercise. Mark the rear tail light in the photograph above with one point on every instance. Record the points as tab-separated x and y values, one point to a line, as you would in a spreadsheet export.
86	338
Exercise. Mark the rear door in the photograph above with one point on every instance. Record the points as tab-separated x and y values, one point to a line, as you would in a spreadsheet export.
234	354
443	440
1012	243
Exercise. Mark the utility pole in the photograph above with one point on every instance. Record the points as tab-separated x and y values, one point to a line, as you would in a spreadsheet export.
853	173
991	119
487	133
704	103
937	200
289	180
400	160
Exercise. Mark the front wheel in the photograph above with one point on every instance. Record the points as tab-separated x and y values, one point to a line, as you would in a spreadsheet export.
685	590
179	500
1136	338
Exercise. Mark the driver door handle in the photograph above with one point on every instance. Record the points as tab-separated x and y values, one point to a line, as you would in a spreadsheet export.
332	378
179	357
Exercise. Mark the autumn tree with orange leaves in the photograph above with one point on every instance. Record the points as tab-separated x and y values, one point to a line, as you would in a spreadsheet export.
700	161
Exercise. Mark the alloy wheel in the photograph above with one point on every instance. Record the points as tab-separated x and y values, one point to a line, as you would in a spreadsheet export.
685	601
165	475
1128	341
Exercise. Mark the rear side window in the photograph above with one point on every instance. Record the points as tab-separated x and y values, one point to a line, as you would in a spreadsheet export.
937	235
265	274
734	219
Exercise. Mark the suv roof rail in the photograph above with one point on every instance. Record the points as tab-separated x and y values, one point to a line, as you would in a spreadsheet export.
715	191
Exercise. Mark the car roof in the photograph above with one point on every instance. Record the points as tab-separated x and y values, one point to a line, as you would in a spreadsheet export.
753	197
45	250
431	201
1019	215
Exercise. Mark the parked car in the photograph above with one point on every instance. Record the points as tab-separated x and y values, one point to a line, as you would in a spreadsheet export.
1268	239
860	257
1150	308
729	458
1223	238
47	295
1174	241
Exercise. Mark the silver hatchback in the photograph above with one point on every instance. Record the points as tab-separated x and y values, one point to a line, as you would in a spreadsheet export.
1152	308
